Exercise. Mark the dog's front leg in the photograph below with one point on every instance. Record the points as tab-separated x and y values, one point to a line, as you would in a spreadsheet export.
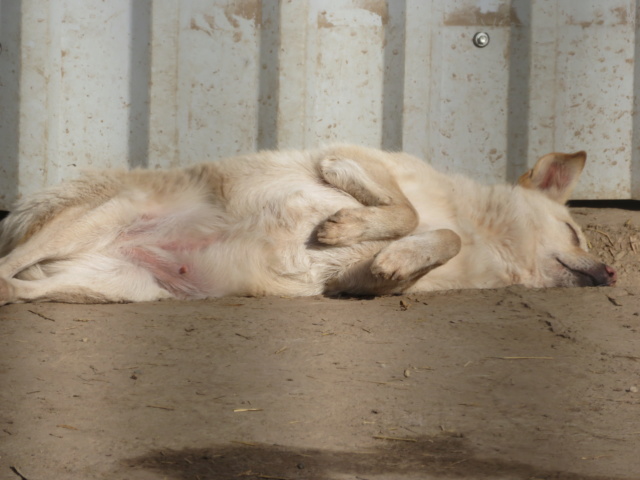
354	225
411	257
386	213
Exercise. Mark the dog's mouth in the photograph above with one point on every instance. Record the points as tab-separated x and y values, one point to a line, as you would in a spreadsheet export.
598	276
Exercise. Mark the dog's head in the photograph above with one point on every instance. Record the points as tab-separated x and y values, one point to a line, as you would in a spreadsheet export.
561	258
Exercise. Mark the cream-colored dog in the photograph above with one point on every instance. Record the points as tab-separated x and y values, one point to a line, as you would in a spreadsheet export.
342	219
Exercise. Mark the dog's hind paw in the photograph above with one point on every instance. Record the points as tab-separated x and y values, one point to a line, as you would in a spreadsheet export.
411	257
389	265
6	292
344	227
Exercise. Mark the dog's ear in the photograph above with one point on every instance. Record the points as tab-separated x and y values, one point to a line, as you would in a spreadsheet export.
555	174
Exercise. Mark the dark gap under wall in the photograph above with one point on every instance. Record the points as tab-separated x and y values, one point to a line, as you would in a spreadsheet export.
620	204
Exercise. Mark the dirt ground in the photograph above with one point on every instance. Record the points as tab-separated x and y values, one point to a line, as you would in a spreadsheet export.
495	384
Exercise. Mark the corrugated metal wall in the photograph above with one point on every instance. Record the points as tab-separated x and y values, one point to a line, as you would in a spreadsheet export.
87	83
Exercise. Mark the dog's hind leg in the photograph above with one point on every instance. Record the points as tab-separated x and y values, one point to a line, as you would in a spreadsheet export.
386	213
50	241
411	257
70	232
94	278
398	265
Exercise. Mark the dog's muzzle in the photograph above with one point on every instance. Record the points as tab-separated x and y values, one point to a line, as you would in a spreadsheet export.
599	275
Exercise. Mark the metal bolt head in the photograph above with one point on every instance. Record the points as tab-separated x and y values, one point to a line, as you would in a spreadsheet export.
481	39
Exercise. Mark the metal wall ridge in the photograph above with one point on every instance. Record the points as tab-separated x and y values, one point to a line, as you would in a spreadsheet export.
159	83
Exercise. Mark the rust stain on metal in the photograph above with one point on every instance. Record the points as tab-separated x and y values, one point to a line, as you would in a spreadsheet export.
623	15
323	21
377	7
247	9
586	24
199	27
504	16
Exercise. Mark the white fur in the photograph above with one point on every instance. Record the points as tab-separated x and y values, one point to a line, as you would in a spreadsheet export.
340	219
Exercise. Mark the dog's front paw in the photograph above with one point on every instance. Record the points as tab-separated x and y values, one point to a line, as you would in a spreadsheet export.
330	169
344	227
391	265
349	176
6	292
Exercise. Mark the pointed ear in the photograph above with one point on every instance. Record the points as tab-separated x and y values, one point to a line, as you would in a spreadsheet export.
555	175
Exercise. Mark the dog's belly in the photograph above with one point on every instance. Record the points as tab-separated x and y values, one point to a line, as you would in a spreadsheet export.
255	244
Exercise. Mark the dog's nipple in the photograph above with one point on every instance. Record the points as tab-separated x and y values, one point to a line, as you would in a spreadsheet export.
183	270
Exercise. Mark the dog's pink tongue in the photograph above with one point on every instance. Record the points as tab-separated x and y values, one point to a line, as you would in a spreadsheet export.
613	276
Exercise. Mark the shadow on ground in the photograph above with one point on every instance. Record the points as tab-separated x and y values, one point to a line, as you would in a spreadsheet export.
445	456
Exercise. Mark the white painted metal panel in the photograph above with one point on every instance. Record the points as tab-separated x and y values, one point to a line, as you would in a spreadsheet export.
582	89
160	83
332	59
468	107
